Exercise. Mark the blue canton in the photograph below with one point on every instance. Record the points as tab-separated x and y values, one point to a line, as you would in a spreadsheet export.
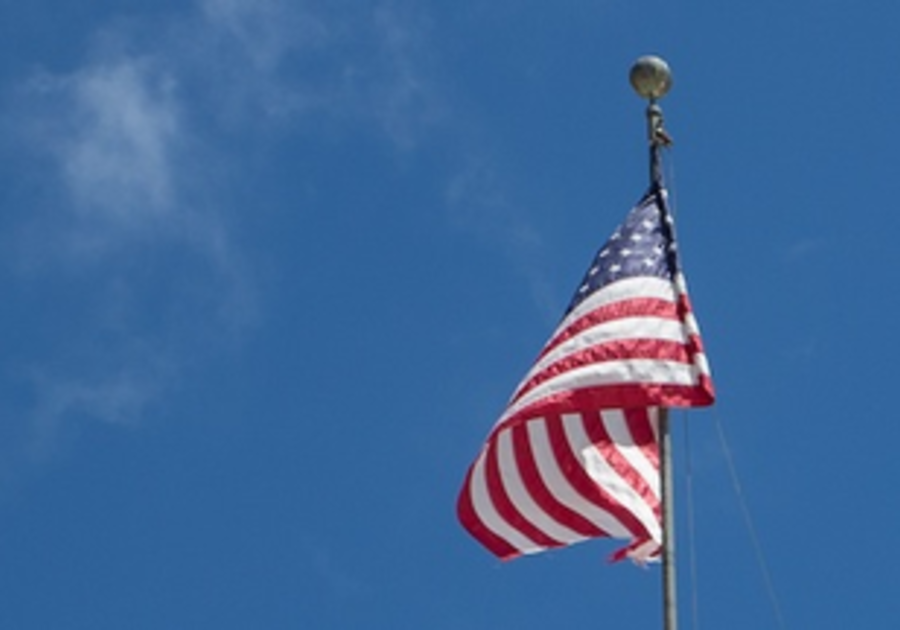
641	246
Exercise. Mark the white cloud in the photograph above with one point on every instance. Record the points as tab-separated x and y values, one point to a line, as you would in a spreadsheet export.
405	101
266	31
115	397
127	197
114	133
129	175
478	202
303	64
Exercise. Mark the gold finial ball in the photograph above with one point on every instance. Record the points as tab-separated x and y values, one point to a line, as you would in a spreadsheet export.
650	77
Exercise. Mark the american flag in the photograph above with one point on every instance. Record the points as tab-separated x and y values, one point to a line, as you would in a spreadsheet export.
575	453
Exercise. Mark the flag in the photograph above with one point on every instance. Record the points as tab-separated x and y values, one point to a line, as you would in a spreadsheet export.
575	453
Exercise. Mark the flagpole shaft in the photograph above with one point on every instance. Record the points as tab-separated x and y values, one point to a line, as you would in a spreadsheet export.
651	78
670	599
658	138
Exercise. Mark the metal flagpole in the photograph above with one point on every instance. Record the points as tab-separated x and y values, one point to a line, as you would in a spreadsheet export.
670	601
651	78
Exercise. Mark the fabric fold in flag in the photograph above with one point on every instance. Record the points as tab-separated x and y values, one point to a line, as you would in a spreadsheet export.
575	453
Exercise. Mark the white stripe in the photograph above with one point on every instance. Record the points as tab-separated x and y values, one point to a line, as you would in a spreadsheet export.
606	477
484	510
653	415
617	427
690	325
562	490
645	552
631	371
521	498
652	328
627	289
680	284
702	364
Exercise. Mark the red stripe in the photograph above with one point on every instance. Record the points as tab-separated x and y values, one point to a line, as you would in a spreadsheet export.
623	553
600	437
695	346
469	519
573	469
623	396
635	307
643	432
706	384
504	506
531	477
685	310
621	350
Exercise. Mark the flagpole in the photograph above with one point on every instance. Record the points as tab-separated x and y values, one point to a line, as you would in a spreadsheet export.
670	601
651	79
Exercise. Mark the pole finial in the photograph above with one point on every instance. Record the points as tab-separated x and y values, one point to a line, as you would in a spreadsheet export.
650	77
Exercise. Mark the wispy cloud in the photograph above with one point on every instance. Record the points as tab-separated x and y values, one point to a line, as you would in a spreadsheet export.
114	195
265	31
262	61
405	100
479	202
116	397
112	129
129	174
127	196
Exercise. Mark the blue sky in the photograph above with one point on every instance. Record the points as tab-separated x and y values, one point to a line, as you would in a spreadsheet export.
270	269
